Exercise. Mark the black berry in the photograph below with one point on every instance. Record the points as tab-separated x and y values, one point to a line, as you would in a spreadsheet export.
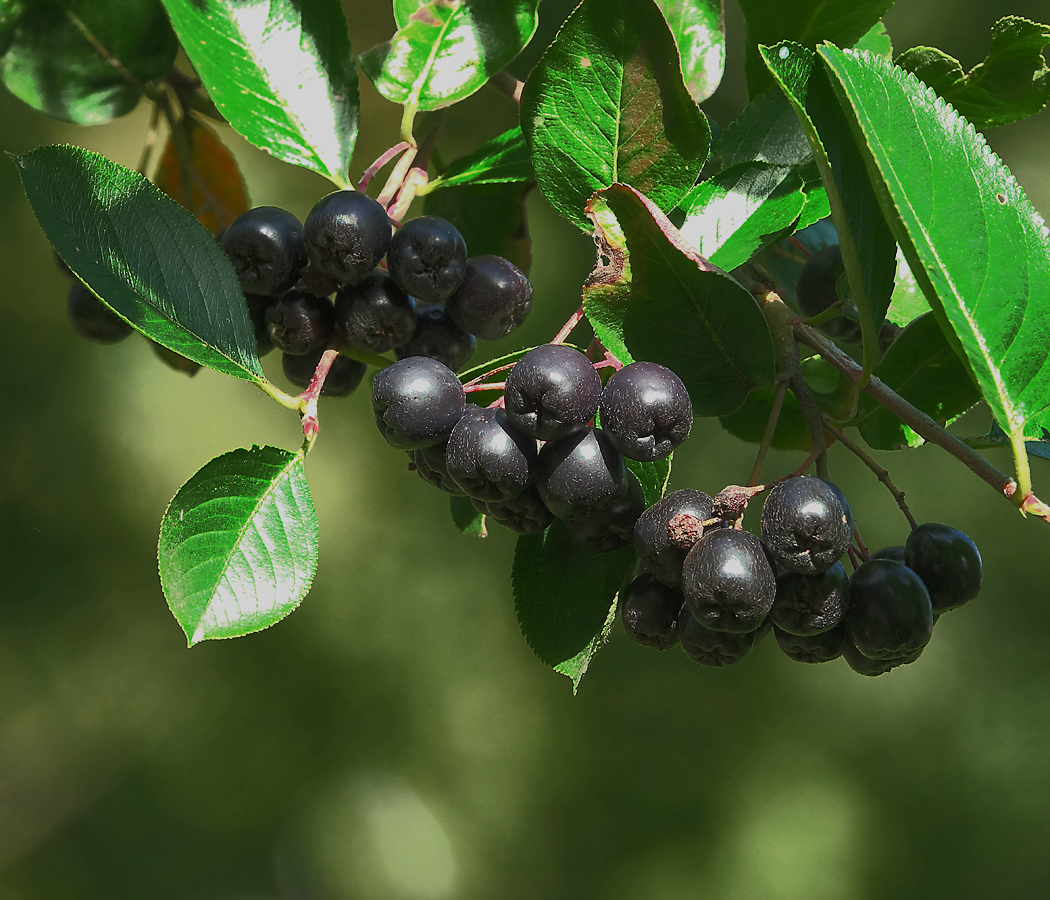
266	248
525	514
346	235
417	402
552	392
948	563
438	337
580	473
651	541
427	258
646	411
716	649
612	526
92	319
812	648
890	613
895	553
430	465
805	524
343	377
728	582
257	306
493	299
488	457
300	323
810	604
650	612
864	665
374	314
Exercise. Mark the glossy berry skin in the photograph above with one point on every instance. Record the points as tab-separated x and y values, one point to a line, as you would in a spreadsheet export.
580	473
810	604
428	258
816	291
343	377
650	612
266	248
805	526
300	323
651	542
863	665
646	411
92	319
488	457
430	466
948	563
728	582
374	314
524	514
346	235
715	649
812	648
552	392
493	299
895	553
438	337
257	306
417	402
890	614
612	526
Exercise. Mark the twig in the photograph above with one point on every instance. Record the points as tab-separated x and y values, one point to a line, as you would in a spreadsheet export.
567	328
767	435
507	85
861	547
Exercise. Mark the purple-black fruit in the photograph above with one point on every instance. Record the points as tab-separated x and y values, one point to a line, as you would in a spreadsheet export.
646	410
552	392
806	524
266	248
417	402
346	234
427	258
650	612
728	582
493	298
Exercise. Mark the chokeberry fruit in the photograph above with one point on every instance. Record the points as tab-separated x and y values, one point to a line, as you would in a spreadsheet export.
427	258
488	457
716	649
612	526
889	613
810	604
805	525
300	323
652	542
552	392
728	582
346	235
650	612
816	291
438	337
429	463
417	402
266	248
493	298
257	306
374	314
864	665
646	410
812	648
948	563
92	319
580	473
343	377
524	514
895	553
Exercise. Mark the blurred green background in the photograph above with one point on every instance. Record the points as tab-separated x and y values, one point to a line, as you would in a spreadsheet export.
395	737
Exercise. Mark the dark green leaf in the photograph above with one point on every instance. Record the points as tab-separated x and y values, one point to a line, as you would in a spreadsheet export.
925	371
741	211
504	158
606	104
877	40
1012	83
976	246
491	218
564	595
699	30
749	422
652	476
281	73
54	66
10	13
658	300
575	668
144	255
466	518
766	131
238	544
996	437
444	50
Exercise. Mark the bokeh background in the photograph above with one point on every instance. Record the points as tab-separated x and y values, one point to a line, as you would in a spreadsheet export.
395	737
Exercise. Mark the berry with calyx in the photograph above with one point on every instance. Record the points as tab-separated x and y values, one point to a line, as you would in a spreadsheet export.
417	402
429	463
346	234
300	323
716	649
890	614
257	306
864	665
374	314
92	319
612	526
896	553
810	604
524	514
343	377
806	524
646	410
812	648
266	248
948	563
816	291
728	582
493	298
438	337
650	612
488	457
652	541
552	392
427	258
580	473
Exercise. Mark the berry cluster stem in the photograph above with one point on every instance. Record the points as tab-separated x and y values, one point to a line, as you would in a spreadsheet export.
381	160
567	328
308	398
767	435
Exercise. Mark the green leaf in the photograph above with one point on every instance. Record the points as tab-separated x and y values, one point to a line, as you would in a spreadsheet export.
908	301
491	218
565	596
444	50
658	300
238	544
10	12
281	72
503	159
923	368
606	104
996	437
652	476
741	211
466	518
876	40
748	423
868	249
54	67
817	207
766	131
1012	83
699	30
575	668
144	255
973	241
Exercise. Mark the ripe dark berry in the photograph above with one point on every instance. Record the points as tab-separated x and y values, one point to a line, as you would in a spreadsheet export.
716	649
580	473
343	377
895	553
417	402
815	292
430	464
427	258
650	612
728	582
805	525
488	457
646	411
890	613
812	648
493	299
257	306
864	665
525	514
300	323
346	235
651	541
92	319
810	604
948	563
266	248
552	392
612	526
374	314
438	337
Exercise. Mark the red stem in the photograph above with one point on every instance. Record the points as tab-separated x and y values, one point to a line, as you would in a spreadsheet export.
311	424
488	386
567	328
383	159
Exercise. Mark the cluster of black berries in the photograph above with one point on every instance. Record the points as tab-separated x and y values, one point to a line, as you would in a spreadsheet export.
539	457
718	590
